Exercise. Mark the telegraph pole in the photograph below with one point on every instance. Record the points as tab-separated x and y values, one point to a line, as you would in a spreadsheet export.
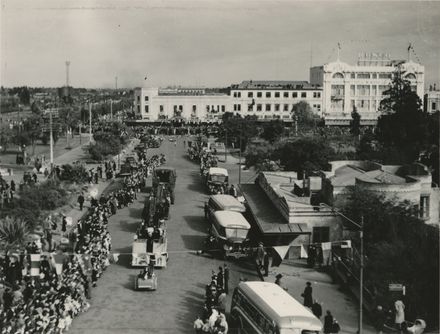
90	123
361	277
51	139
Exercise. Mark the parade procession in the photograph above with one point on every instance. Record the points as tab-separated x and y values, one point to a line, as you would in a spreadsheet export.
219	167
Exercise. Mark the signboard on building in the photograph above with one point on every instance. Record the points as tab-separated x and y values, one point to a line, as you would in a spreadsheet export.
396	287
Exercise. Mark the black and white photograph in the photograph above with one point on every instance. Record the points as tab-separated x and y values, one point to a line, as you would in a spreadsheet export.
219	166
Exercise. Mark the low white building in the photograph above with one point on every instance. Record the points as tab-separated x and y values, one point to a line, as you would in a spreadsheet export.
274	99
362	85
186	104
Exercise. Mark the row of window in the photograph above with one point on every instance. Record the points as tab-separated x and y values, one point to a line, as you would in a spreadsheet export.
258	318
339	75
179	108
270	107
278	94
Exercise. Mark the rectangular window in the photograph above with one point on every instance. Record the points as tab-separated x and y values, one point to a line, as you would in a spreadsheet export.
424	206
138	98
381	89
286	107
318	107
433	106
259	107
235	94
321	234
374	76
238	107
277	94
239	94
250	107
259	94
338	91
373	90
363	90
352	75
316	95
385	76
268	107
235	107
223	108
352	104
352	90
161	108
304	94
363	76
374	105
146	109
277	107
286	94
146	98
268	94
295	94
250	94
194	108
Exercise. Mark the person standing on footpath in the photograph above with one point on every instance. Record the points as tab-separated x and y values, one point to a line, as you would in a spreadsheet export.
399	308
226	278
307	295
317	309
81	200
379	319
328	323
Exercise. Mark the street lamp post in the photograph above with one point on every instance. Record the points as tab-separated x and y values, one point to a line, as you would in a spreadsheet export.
361	269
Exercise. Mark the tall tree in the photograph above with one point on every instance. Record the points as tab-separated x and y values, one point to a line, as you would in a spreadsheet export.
403	125
305	116
355	122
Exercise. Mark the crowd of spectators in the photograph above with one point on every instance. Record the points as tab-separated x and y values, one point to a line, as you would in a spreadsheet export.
47	302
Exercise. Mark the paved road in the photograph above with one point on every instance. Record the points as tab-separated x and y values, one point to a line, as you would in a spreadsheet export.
116	308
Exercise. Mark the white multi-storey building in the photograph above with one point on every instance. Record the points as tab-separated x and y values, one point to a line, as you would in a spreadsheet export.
362	85
185	104
432	100
273	99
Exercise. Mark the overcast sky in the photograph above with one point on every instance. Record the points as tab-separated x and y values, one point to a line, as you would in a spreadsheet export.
204	43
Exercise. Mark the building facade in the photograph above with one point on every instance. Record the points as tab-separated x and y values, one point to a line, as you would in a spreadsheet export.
345	86
411	183
180	104
432	100
270	100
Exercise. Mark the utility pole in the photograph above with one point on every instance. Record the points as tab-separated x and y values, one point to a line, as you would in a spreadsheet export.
226	144
361	277
51	139
239	161
90	123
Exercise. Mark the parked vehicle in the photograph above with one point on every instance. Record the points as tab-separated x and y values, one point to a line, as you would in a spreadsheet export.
228	234
223	203
263	307
217	180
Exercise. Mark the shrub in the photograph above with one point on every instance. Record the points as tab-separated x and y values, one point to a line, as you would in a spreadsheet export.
75	173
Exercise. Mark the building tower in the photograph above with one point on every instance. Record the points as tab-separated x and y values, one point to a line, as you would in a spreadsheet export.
67	72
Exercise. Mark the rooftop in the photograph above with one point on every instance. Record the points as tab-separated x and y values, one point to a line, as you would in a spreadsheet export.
274	84
381	177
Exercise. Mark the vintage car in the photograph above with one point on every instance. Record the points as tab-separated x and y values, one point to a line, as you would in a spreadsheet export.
228	234
217	180
166	176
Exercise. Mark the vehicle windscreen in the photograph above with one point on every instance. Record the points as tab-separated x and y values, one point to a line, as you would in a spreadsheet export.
163	176
217	178
236	233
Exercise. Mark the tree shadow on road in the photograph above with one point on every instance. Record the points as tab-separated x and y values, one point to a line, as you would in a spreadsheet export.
126	227
197	223
193	242
135	212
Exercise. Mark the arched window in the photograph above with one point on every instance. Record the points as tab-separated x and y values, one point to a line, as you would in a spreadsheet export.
338	76
410	76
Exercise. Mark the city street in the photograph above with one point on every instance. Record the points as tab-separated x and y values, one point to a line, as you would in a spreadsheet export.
116	307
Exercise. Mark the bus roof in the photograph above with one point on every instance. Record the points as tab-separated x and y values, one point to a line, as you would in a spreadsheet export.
231	219
280	306
218	170
228	202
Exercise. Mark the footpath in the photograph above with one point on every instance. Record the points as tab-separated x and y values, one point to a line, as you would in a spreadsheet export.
325	291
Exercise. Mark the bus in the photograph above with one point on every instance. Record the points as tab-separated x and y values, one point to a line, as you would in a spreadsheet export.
266	308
